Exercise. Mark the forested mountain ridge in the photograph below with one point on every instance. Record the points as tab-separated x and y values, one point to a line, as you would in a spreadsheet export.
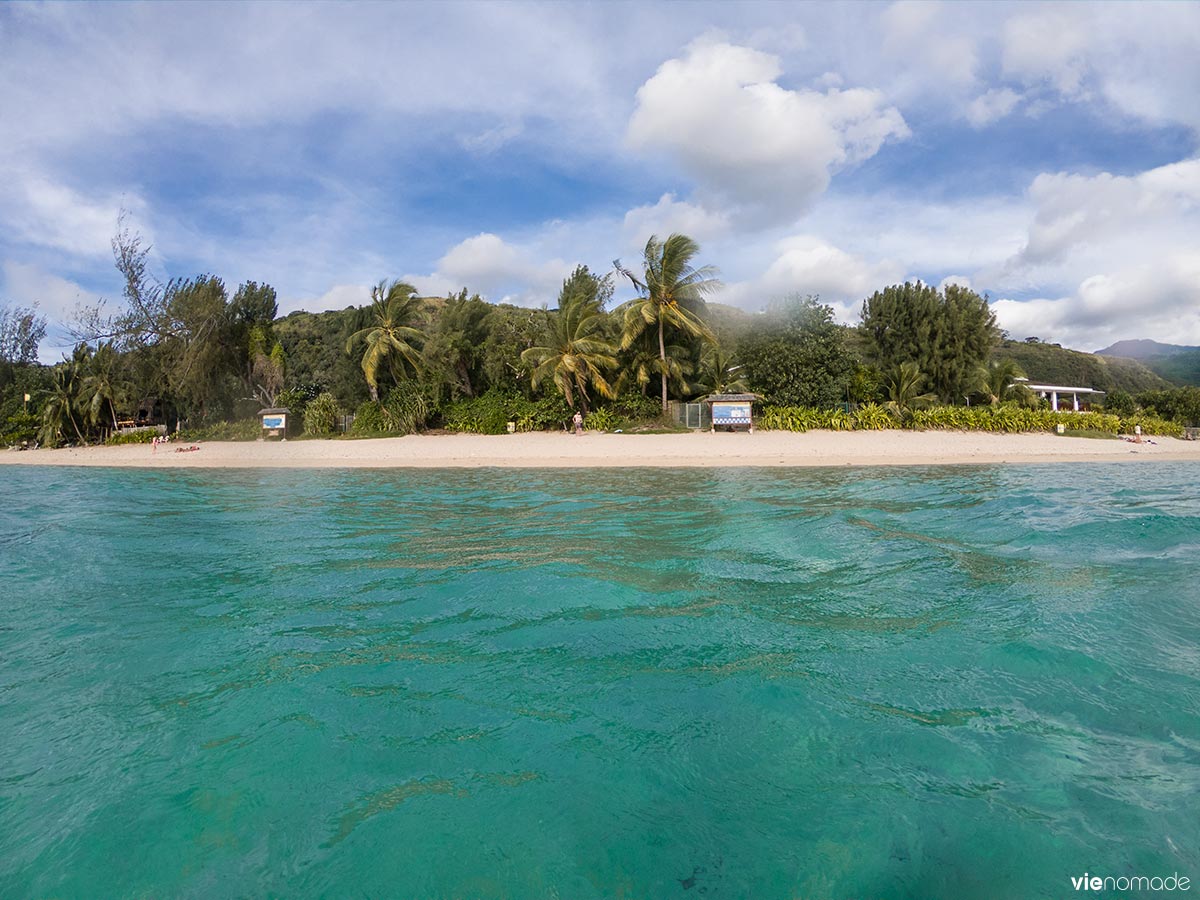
1174	362
1143	349
1052	364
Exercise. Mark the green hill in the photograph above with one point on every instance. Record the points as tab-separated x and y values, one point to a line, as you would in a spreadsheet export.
1052	364
1181	368
1173	362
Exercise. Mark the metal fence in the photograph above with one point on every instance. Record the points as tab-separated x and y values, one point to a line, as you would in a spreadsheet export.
692	415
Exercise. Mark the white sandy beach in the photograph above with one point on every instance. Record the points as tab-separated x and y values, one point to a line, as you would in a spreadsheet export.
815	448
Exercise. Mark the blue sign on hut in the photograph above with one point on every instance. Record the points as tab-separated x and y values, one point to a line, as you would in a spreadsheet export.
274	422
732	411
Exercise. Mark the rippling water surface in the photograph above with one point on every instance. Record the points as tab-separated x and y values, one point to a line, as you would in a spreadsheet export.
910	683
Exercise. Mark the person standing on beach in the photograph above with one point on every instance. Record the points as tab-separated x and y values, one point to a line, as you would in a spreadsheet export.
578	420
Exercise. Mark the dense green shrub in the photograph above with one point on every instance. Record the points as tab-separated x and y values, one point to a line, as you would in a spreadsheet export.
487	414
245	430
1151	425
603	419
142	436
1008	418
369	419
407	407
873	417
1182	405
546	414
491	413
20	426
1120	403
637	408
321	415
789	418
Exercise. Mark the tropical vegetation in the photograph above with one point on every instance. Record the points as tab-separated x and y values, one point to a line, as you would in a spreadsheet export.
183	353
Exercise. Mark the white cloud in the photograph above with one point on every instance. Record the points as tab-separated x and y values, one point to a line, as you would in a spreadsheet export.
1161	302
499	271
1050	45
41	211
1123	248
669	215
806	264
1084	210
992	106
55	297
340	296
957	280
1142	59
916	30
752	128
756	147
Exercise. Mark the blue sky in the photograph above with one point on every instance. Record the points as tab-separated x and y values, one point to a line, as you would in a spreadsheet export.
1044	154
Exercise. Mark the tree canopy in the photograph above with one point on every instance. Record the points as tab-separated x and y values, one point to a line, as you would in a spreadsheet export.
949	334
797	355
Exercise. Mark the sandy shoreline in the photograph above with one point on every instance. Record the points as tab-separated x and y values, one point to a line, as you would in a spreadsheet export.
814	448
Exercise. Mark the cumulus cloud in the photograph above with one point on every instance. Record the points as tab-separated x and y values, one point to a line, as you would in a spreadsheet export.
1077	210
1160	302
669	215
1124	249
1142	60
754	146
806	264
498	270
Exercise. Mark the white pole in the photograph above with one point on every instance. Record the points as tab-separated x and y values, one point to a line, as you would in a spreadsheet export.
1054	400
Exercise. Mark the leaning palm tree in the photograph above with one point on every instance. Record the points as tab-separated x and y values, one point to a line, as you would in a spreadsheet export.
573	353
998	379
904	390
671	291
65	407
389	338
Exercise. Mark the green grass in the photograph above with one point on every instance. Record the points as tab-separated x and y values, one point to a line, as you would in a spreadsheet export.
1088	433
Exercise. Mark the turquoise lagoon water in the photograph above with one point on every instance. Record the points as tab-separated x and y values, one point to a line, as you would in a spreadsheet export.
840	683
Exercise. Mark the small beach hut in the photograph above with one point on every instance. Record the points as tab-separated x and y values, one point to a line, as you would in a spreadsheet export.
274	422
731	411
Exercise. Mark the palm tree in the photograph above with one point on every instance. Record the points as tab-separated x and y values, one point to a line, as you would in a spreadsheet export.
573	354
65	407
719	373
997	380
101	385
904	390
640	362
671	290
394	309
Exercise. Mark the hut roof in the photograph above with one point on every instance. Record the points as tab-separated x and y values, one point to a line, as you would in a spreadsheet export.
729	398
